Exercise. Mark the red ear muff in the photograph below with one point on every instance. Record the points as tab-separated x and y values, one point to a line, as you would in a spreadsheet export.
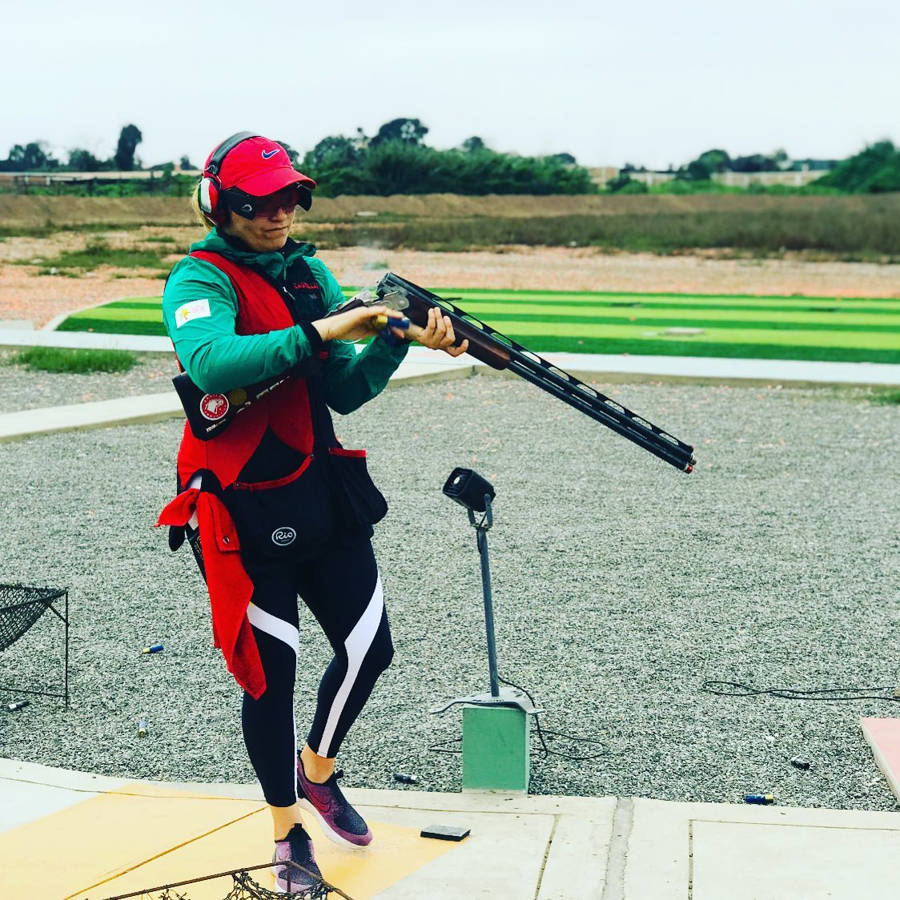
208	198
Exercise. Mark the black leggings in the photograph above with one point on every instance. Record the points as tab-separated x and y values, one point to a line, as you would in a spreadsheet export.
342	588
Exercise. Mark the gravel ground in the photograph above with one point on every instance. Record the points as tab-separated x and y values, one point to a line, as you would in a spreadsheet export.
23	388
620	585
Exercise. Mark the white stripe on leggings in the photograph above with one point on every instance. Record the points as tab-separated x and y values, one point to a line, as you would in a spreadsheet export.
286	632
357	644
278	628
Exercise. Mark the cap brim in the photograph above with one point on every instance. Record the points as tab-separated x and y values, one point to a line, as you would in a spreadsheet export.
274	180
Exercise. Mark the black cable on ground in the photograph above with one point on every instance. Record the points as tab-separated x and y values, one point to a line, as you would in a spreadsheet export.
569	737
738	689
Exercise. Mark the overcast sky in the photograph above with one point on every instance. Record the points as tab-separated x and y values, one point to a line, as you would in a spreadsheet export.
648	82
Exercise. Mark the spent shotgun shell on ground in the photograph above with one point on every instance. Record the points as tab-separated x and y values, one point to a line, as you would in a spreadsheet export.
405	779
760	799
16	705
143	728
153	648
799	763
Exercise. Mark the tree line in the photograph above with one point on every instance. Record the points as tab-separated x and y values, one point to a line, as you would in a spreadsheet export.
35	157
875	169
397	160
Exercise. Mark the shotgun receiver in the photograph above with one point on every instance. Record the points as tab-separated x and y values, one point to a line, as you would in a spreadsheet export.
501	352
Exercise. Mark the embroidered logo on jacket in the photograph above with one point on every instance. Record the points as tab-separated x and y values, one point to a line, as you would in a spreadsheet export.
214	406
284	536
196	309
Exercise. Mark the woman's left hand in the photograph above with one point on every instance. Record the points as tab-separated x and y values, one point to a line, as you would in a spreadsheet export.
438	334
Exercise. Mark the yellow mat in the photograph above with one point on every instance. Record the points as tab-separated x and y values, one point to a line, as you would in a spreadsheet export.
133	839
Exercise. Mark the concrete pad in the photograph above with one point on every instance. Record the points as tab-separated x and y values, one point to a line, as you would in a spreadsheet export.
744	861
30	791
17	324
107	835
397	851
706	851
577	856
139	835
883	736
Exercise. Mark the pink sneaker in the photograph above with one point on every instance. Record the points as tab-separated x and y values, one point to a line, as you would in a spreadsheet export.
339	820
304	879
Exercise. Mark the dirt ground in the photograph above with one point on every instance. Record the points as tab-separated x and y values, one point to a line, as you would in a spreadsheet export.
27	295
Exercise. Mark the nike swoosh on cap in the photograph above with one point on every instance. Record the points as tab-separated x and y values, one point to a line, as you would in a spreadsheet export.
268	154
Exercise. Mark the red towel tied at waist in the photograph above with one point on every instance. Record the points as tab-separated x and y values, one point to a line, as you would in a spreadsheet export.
230	588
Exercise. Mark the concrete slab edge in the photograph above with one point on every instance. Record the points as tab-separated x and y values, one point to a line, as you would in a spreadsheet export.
64	779
892	777
617	858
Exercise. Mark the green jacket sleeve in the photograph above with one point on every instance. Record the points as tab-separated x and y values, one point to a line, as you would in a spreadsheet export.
352	378
199	311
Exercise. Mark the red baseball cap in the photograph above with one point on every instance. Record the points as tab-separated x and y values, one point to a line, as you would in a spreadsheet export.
258	166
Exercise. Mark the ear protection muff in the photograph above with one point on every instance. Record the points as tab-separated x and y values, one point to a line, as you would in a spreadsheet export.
209	190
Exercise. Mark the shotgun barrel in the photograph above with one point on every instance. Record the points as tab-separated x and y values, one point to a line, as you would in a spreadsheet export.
501	352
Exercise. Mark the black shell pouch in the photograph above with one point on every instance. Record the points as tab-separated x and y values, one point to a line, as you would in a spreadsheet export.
288	517
358	502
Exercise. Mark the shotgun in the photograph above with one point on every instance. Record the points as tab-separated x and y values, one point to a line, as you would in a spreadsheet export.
209	414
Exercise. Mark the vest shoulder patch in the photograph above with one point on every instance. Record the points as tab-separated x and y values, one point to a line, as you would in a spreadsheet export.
196	309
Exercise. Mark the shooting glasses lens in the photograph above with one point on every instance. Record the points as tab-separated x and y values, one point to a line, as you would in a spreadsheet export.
250	207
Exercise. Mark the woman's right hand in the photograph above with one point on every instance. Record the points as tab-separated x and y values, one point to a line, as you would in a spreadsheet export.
354	324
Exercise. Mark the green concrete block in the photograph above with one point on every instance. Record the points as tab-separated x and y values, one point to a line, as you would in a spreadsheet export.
495	748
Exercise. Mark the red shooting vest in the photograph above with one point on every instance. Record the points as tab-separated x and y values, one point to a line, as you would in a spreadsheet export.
287	412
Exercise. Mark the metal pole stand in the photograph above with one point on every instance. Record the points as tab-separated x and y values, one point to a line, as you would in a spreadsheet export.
496	726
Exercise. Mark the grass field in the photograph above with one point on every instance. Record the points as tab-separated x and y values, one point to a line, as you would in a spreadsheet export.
859	227
821	328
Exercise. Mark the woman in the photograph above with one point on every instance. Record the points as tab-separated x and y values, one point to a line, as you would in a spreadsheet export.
273	505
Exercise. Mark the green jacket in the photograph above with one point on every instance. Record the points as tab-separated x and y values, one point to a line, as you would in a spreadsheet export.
217	359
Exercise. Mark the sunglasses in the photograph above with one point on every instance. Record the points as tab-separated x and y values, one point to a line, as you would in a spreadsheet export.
249	207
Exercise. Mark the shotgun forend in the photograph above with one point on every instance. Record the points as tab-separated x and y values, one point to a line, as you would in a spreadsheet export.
501	352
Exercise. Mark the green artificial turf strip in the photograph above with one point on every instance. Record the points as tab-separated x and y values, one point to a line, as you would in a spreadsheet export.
567	318
580	327
861	320
634	331
506	311
638	295
591	322
648	347
496	319
635	346
689	303
113	326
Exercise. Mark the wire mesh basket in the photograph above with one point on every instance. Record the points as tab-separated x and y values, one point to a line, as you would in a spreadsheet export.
20	608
